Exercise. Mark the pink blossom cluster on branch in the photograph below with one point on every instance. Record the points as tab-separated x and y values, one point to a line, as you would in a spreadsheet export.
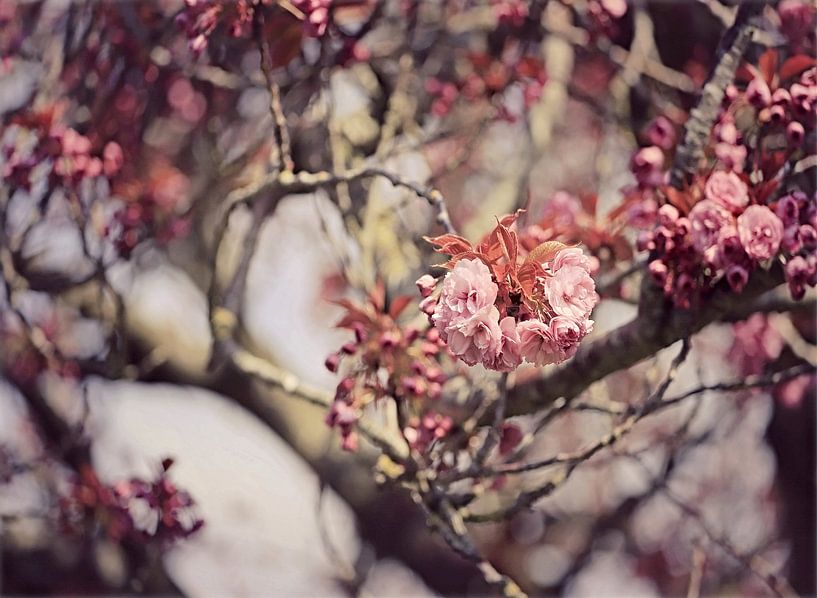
387	359
499	308
726	235
89	500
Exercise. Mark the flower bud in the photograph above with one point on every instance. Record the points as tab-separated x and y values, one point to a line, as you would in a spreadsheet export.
795	134
426	284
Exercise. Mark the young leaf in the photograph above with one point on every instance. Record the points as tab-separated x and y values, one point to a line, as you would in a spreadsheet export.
796	65
545	251
398	305
450	244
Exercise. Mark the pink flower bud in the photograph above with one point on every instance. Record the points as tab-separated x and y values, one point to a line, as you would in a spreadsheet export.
426	284
737	276
777	114
332	362
781	97
758	94
795	134
668	214
808	235
658	271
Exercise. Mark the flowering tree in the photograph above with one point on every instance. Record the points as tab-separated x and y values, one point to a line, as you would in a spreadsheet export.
578	318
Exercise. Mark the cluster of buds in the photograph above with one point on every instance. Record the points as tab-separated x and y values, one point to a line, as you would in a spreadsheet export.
489	77
316	15
511	13
726	234
648	164
729	147
200	18
153	207
421	431
385	359
799	217
790	108
604	16
141	219
36	139
498	307
91	503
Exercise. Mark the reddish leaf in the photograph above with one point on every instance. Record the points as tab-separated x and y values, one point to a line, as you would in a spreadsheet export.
679	199
527	274
746	72
511	218
763	191
589	201
767	64
796	65
508	243
398	305
450	244
377	296
771	164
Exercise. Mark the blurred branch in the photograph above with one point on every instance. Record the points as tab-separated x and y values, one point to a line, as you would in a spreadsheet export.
757	566
528	498
284	148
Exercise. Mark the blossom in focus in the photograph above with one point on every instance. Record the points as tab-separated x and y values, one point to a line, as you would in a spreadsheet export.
760	232
537	344
571	291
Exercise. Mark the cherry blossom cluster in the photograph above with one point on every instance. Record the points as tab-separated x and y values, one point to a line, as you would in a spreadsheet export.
488	77
387	359
499	308
316	15
799	243
90	501
788	107
201	18
604	16
727	234
38	140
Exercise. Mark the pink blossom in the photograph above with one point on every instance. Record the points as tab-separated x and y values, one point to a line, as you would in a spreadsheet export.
477	338
729	248
788	209
567	333
707	219
798	271
661	132
537	343
571	256
648	166
760	232
467	289
510	351
571	292
732	156
727	190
